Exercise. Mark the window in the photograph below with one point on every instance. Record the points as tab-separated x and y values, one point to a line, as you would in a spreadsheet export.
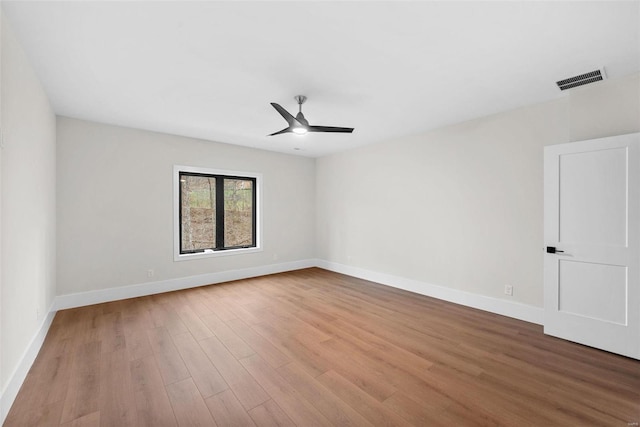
217	212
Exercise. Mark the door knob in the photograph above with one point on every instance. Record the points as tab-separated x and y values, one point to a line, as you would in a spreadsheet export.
552	250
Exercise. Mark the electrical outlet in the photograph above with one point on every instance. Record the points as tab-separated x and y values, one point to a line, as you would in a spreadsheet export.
150	273
508	290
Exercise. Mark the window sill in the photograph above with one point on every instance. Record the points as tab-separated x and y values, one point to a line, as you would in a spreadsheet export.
214	254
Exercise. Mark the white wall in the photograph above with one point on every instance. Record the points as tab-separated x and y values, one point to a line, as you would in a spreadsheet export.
461	207
610	108
27	220
115	205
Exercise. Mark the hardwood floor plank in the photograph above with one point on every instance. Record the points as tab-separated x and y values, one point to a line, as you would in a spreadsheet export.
241	312
188	405
381	349
269	414
230	339
164	315
367	406
427	413
137	343
135	323
152	402
309	356
111	332
291	326
385	374
116	400
195	325
27	398
245	387
171	365
84	384
204	374
487	402
355	369
89	329
416	342
227	410
51	371
44	415
332	407
548	402
297	408
91	420
195	300
258	343
217	304
53	374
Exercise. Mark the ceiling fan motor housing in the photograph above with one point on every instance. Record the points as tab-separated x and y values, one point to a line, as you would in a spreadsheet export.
301	119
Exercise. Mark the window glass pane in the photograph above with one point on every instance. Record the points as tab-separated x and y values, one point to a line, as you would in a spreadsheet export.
198	208
238	212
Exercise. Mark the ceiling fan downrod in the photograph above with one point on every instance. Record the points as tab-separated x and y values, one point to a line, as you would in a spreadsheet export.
300	99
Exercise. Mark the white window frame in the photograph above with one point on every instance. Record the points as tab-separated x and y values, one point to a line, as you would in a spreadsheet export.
177	256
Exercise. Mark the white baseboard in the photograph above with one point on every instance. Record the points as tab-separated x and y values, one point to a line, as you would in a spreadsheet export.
503	307
516	310
26	361
81	299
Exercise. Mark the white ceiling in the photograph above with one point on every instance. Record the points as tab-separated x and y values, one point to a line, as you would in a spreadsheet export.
210	69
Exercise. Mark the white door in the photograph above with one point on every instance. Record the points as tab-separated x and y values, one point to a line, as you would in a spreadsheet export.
592	219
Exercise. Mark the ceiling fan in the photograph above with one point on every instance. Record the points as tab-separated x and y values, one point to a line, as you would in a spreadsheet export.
299	125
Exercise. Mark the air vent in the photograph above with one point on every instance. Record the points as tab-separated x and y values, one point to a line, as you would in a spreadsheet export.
582	79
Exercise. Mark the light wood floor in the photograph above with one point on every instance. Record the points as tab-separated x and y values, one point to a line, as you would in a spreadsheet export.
315	348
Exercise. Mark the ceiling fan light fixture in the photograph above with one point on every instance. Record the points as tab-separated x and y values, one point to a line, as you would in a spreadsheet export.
300	130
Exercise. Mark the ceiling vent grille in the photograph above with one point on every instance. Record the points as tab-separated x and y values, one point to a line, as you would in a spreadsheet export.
582	79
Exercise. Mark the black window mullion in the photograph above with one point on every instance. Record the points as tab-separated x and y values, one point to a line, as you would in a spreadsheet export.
219	212
254	208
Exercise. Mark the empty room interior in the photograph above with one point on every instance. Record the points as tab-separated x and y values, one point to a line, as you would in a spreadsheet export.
311	213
